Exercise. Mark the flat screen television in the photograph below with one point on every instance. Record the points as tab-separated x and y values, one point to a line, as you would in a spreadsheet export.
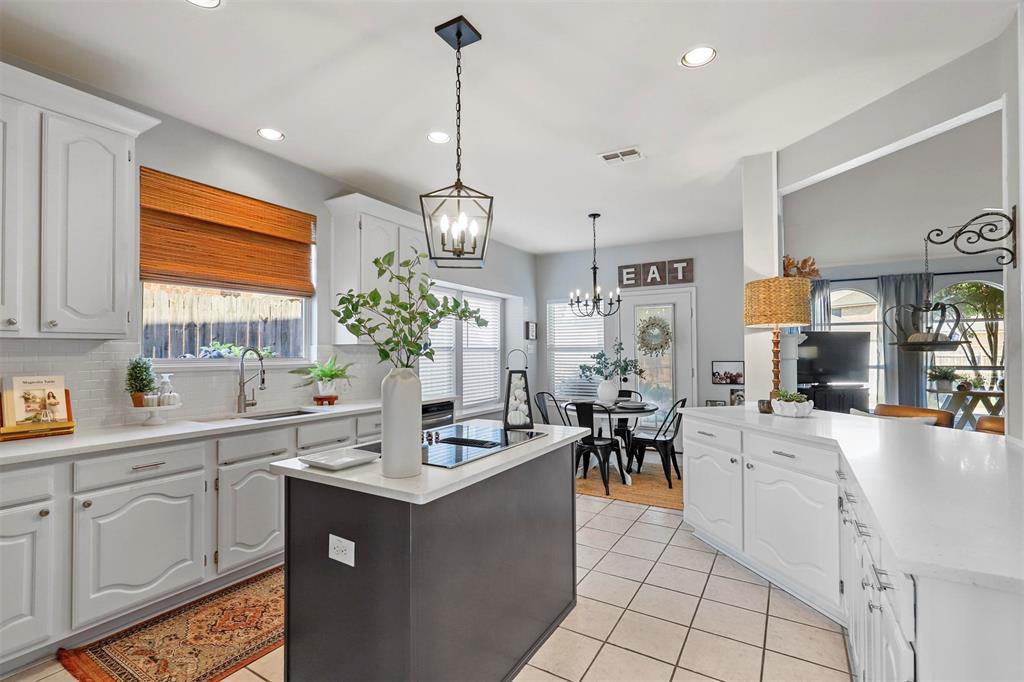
833	358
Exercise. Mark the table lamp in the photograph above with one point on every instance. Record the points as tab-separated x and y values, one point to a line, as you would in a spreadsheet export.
774	303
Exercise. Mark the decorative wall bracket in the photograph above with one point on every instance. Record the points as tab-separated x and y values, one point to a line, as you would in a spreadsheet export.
977	234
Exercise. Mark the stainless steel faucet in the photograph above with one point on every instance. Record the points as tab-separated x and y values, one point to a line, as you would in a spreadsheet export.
243	403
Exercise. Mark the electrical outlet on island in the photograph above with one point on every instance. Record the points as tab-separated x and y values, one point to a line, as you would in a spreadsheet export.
341	550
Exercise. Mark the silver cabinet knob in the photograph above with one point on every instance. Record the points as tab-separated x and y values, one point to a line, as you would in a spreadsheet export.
87	504
44	512
51	324
749	465
874	607
733	460
11	321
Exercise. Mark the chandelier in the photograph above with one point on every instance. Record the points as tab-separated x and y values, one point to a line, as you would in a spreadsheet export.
591	303
930	326
457	218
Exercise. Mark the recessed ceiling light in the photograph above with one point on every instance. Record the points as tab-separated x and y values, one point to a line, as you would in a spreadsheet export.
205	4
698	56
438	136
270	134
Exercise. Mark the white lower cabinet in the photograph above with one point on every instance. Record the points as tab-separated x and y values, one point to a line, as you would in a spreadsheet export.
791	525
26	567
250	513
136	543
714	492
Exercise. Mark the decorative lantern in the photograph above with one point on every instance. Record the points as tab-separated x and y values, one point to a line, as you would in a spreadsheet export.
924	327
518	412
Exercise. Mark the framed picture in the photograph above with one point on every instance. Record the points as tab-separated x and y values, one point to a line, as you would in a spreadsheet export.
736	396
714	403
728	372
530	331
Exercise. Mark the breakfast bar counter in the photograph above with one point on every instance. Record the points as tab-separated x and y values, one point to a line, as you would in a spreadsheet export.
455	574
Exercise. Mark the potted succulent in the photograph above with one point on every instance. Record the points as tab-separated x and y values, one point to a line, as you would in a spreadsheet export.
398	324
943	377
139	379
789	404
612	370
324	375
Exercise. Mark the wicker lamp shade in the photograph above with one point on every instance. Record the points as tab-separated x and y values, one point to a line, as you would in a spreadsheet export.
777	302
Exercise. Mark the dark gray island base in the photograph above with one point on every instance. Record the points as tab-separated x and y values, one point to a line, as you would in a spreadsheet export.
464	587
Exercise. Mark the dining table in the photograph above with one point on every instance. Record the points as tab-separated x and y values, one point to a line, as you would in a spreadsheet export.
618	410
963	404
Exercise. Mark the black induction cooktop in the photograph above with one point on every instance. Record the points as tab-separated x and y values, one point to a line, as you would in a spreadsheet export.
456	444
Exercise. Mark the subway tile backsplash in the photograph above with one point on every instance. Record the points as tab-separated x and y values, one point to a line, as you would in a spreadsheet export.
94	372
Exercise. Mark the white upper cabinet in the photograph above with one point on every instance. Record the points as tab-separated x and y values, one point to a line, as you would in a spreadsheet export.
88	234
70	210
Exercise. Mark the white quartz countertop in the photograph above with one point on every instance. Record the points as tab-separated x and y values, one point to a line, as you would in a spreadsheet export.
949	502
433	482
136	435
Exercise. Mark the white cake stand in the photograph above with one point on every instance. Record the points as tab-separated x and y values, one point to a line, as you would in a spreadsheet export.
156	416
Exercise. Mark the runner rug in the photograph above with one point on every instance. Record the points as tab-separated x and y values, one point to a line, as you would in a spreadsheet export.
203	641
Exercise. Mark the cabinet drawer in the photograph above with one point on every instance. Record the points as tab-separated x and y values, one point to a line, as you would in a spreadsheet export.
26	485
336	431
137	466
809	459
368	425
713	434
260	444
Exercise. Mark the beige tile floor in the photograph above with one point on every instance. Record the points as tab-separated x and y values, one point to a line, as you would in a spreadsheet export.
654	603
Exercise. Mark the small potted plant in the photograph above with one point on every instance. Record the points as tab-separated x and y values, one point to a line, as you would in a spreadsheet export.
789	404
943	377
324	375
612	370
139	379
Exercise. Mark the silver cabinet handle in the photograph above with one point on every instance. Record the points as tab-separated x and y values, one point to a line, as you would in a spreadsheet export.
733	460
44	512
87	504
850	497
874	607
51	324
863	530
782	453
151	465
841	475
749	465
706	434
865	584
880	576
11	321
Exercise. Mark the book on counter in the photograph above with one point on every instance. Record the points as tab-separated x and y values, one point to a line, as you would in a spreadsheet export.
35	406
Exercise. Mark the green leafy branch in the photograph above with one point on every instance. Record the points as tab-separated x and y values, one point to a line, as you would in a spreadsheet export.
398	322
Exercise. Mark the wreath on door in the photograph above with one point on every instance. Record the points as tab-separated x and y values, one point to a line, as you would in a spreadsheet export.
654	336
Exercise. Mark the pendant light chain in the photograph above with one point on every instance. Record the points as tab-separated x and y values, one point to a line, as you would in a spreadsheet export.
458	109
594	224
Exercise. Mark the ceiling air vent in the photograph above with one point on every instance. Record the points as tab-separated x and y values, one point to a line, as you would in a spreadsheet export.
621	156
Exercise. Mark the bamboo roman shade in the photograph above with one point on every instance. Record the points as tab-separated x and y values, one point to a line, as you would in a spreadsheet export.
196	234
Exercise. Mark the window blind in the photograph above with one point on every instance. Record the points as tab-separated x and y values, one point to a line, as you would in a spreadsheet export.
437	376
571	341
191	233
481	353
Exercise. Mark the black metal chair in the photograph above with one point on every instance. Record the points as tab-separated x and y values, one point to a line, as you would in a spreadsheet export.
662	440
595	443
541	399
622	428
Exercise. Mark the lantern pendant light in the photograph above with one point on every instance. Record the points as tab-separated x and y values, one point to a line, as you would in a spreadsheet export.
457	218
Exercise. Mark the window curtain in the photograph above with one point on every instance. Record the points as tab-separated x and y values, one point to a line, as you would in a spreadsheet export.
821	304
904	371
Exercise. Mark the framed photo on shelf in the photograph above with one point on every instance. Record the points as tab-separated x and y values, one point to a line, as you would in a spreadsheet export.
714	403
727	372
736	396
35	404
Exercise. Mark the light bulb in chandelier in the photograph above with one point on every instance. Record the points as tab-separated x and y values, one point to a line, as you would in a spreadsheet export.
444	224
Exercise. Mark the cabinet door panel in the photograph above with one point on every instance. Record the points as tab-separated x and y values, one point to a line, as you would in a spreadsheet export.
791	523
87	228
895	657
13	132
135	544
714	492
376	237
409	239
250	513
26	551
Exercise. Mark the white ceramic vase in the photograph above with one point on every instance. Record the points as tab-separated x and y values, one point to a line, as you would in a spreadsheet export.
326	387
402	424
608	390
944	385
788	409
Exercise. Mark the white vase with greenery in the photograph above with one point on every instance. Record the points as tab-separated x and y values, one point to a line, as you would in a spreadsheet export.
398	323
613	370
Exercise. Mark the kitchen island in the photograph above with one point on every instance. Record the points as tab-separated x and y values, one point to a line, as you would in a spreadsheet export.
457	573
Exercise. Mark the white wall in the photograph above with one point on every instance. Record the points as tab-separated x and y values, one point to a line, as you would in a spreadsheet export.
718	280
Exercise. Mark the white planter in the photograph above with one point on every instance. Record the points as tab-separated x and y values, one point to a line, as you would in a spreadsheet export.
326	387
608	390
784	409
402	424
944	385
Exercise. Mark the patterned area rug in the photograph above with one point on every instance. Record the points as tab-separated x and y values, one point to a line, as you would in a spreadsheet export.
204	641
649	487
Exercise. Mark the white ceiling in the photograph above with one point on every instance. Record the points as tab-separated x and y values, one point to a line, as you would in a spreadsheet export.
357	85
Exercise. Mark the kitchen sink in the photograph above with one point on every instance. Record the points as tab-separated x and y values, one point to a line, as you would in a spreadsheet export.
279	415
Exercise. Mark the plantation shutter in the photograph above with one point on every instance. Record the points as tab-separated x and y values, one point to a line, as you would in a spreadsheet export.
195	234
481	353
571	341
437	376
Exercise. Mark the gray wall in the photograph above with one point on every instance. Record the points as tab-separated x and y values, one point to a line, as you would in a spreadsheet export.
718	280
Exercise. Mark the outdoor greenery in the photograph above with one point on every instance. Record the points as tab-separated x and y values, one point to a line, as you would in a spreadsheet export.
398	323
943	374
139	376
323	372
790	397
216	349
984	301
607	367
